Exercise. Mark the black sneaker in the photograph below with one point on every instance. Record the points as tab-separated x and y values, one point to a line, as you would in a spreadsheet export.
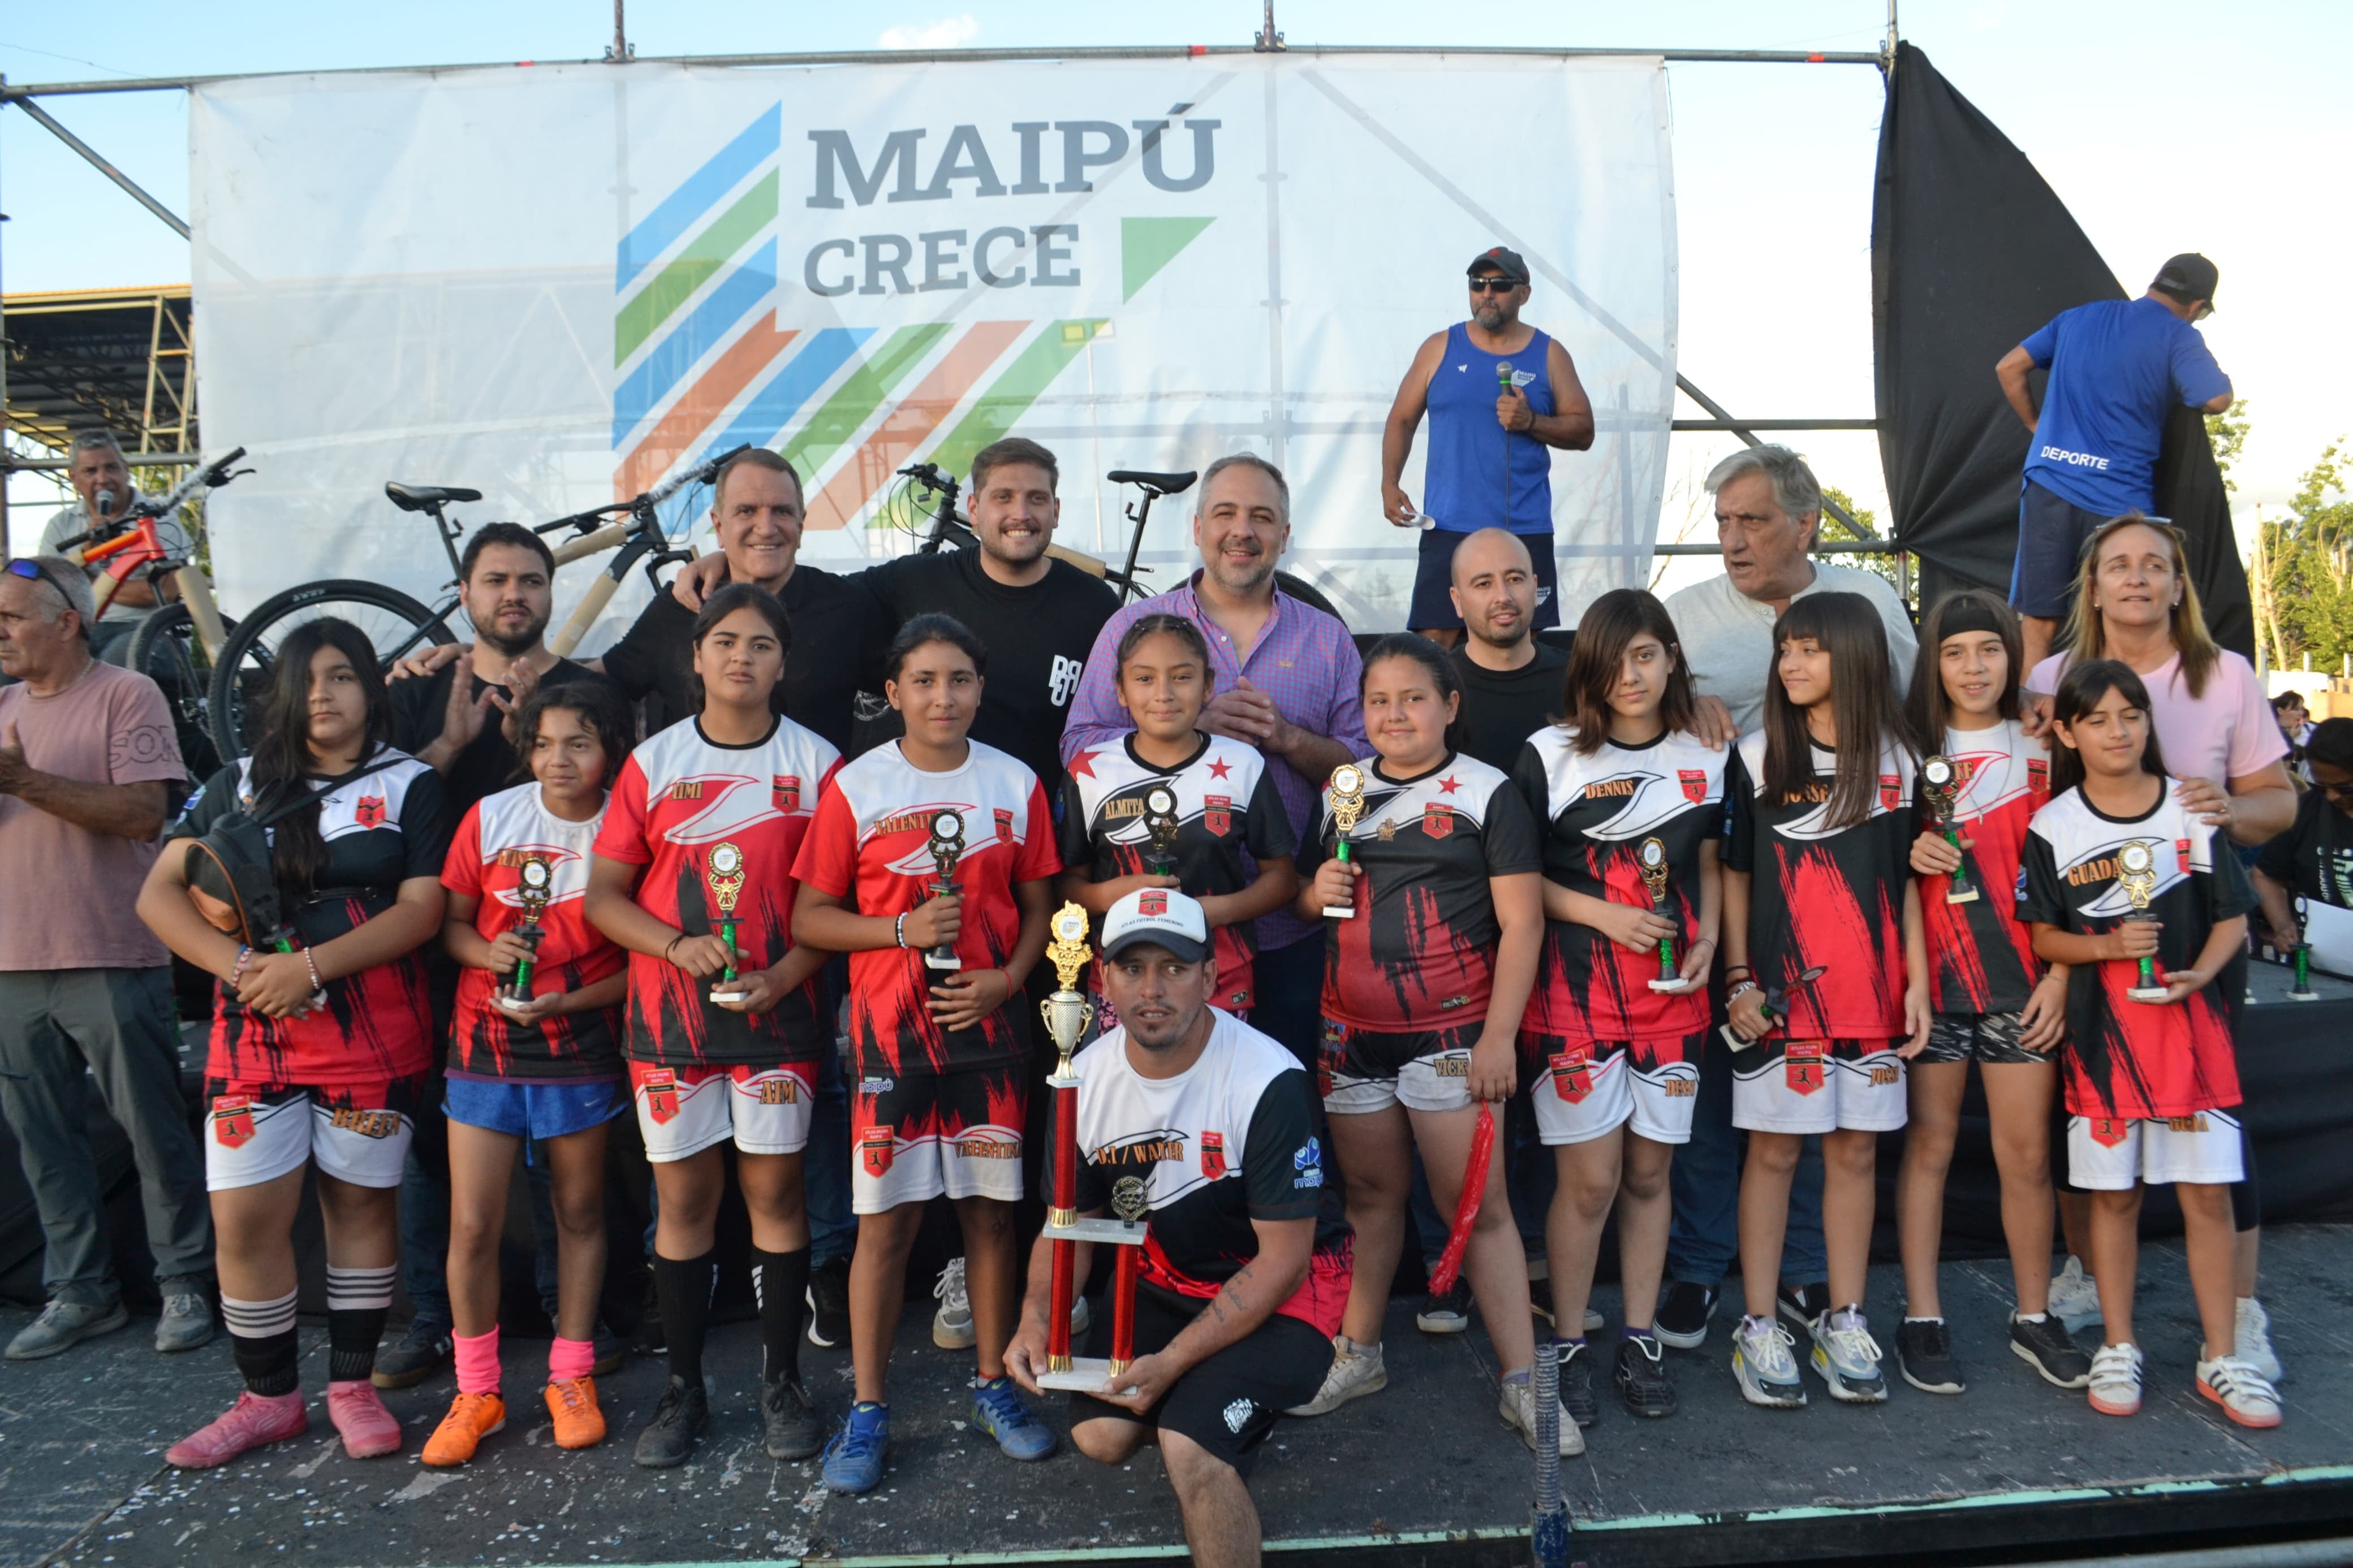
420	1352
2050	1351
611	1350
1682	1320
1640	1374
828	1304
1447	1314
1577	1399
667	1441
1924	1354
793	1430
1802	1304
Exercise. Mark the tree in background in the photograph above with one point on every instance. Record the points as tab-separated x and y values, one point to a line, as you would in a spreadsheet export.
1882	565
2305	562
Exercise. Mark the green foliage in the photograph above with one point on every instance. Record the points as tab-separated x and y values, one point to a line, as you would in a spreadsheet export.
1883	565
2306	564
2227	433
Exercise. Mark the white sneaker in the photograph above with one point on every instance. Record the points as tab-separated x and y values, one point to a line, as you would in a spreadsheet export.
1848	1357
2116	1379
2076	1295
1356	1371
2252	1342
952	1324
1761	1362
2245	1395
1081	1316
1517	1406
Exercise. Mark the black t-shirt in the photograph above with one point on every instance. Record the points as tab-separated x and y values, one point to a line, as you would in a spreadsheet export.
2315	856
1037	639
488	764
1501	707
838	637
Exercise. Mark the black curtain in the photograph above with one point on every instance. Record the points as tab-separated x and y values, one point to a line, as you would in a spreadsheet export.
1970	252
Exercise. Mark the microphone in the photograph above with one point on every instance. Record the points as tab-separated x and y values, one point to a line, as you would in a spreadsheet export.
102	506
1503	376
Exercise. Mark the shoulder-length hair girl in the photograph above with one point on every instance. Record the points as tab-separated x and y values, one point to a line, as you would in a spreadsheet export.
2082	689
725	602
1610	623
281	746
1962	610
2084	637
602	708
1434	660
1862	704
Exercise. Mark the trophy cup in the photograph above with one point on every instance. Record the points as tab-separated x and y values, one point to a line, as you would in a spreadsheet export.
1940	784
1650	858
723	873
1160	824
1347	805
946	848
537	881
2136	874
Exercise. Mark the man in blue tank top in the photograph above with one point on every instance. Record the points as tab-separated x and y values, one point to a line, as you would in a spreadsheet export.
1500	396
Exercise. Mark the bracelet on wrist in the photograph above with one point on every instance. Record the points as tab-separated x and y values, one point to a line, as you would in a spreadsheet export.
311	962
236	974
899	929
1740	989
671	946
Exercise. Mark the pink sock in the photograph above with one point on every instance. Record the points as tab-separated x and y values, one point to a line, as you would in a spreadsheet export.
568	1358
477	1362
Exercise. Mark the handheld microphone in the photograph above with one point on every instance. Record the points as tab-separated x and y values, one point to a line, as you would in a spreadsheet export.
102	506
1503	376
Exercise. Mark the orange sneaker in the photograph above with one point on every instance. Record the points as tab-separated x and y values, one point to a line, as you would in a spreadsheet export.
572	1405
472	1418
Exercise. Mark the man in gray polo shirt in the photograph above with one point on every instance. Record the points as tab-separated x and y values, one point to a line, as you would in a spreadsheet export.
101	476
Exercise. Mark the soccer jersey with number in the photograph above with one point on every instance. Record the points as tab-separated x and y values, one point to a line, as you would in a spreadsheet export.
486	862
1979	959
1420	951
871	848
1597	812
2129	1060
1229	817
1825	896
682	799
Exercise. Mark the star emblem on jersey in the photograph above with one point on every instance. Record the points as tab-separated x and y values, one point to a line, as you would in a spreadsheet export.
1213	1155
1437	821
1084	764
233	1120
1449	784
1220	768
369	812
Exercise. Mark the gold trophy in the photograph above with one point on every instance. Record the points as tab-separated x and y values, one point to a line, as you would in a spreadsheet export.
1940	785
1160	821
536	883
1347	805
1650	859
2137	875
723	873
947	850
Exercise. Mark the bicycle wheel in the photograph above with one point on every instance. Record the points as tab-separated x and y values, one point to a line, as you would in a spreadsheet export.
395	624
166	649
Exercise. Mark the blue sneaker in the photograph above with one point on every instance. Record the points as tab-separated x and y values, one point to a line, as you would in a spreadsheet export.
998	1410
853	1460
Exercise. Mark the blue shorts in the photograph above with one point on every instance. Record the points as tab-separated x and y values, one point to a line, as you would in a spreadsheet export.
1433	577
522	1109
2052	533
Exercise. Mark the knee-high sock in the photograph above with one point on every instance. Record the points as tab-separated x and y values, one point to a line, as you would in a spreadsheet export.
683	1287
780	1279
262	1337
358	1302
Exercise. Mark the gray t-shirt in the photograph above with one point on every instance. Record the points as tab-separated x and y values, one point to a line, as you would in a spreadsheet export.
74	519
1728	636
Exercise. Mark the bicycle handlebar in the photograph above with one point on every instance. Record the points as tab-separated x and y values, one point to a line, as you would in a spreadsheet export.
212	475
702	473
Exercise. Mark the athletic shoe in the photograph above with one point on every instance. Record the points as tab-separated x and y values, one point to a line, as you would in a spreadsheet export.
1682	1317
254	1420
1641	1377
1802	1304
2252	1342
829	1303
2074	1295
952	1324
2050	1351
1924	1354
998	1410
1762	1364
1080	1317
417	1355
1356	1371
1577	1383
684	1413
2245	1395
472	1418
790	1425
1540	1301
186	1322
853	1460
63	1325
2116	1379
610	1349
369	1430
572	1405
1517	1406
1848	1357
1447	1314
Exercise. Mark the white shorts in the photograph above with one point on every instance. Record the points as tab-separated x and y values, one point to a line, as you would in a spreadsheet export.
1808	1086
1584	1089
953	1134
2110	1154
358	1133
1361	1071
684	1110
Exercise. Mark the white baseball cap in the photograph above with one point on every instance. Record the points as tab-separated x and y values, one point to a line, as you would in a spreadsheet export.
1161	916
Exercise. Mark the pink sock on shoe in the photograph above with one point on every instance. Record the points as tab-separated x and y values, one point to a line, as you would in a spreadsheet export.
478	1362
569	1358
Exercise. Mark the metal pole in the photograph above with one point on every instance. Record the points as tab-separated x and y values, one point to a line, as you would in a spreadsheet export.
620	51
1746	431
24	102
1268	39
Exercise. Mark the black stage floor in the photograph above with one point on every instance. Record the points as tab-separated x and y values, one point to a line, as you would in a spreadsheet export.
1421	1473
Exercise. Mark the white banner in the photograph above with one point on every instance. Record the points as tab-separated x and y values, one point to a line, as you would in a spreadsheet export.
557	284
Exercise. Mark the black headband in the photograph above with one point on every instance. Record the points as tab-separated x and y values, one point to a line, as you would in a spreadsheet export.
1969	616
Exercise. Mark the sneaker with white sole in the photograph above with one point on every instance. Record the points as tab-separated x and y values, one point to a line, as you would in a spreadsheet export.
1447	1314
2074	1295
2252	1342
1517	1406
1763	1365
1847	1357
2114	1387
2245	1395
65	1324
1356	1371
952	1324
186	1322
2045	1345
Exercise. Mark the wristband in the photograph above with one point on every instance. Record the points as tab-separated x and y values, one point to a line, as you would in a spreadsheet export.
671	946
236	975
1741	989
1737	970
899	928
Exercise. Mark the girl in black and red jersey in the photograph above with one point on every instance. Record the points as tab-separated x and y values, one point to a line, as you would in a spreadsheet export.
934	1026
1633	803
693	874
1818	898
1992	1000
1424	982
321	1051
1219	793
2147	904
546	1068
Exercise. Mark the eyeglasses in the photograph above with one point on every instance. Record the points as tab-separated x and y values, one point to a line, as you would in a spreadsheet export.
2337	791
1492	283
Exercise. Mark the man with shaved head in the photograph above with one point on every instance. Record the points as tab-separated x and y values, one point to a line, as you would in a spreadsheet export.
1510	682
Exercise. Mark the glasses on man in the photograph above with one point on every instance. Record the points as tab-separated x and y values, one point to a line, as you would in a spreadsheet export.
2337	791
1492	283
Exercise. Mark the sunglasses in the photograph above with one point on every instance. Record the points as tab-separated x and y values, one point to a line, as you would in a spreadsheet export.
1492	284
31	572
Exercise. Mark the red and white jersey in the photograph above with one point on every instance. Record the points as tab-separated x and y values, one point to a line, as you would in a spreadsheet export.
870	847
680	799
1979	959
486	862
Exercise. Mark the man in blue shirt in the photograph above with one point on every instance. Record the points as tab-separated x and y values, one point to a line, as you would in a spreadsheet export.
2118	369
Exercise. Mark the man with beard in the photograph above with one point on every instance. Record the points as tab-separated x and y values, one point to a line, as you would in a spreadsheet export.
1510	682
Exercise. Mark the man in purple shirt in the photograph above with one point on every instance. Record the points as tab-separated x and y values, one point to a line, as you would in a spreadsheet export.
1287	678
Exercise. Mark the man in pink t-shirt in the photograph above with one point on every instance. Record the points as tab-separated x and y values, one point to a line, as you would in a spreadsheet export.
88	762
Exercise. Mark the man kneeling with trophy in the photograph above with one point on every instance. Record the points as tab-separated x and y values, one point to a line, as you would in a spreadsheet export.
1195	1122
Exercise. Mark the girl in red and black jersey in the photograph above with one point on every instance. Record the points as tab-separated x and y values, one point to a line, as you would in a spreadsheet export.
1818	896
320	1050
1424	982
1992	1000
533	1054
2148	906
693	874
934	1026
1219	792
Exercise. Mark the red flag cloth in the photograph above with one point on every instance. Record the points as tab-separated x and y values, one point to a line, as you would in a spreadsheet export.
1466	1212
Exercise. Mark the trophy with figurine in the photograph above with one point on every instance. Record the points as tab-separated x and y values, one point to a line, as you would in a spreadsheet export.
946	848
723	875
1650	859
1940	783
2137	875
535	884
1160	825
1347	807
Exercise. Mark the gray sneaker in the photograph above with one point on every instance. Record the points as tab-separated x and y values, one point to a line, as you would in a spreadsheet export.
186	1322
63	1325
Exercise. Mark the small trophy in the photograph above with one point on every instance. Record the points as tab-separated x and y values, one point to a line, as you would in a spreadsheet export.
723	873
1777	1006
537	882
1160	824
1650	859
2136	874
2302	991
1347	805
1940	784
946	848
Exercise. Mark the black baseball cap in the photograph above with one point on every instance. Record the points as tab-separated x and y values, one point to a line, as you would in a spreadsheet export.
2188	276
1503	259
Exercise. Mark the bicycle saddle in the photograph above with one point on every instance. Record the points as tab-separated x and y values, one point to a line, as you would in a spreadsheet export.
1165	484
422	497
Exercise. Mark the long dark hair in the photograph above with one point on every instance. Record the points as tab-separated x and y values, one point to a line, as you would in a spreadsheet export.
2080	691
1962	610
934	627
725	602
1610	623
602	710
1862	705
281	748
1434	660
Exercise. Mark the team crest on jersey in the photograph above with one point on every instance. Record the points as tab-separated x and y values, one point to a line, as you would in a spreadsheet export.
2181	855
874	1150
660	1090
2108	1131
1694	782
369	812
787	791
1437	821
1004	825
1801	1063
2037	776
1572	1077
1217	813
1213	1155
233	1120
1152	902
1890	790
